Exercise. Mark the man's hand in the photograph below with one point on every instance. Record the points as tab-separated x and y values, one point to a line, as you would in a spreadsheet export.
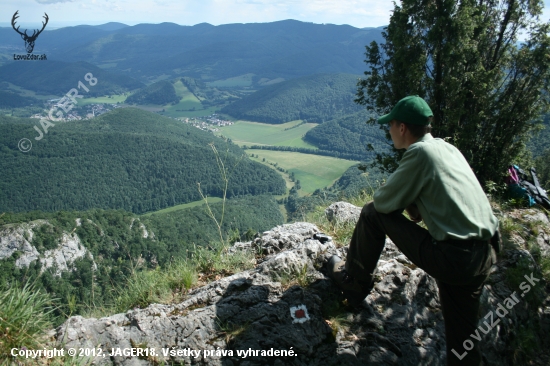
413	212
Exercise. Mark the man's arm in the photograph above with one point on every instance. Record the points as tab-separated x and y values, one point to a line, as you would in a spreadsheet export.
404	185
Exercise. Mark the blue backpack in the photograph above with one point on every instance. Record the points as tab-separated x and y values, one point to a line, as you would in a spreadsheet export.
520	186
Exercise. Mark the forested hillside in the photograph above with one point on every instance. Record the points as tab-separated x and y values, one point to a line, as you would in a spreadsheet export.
350	135
121	243
57	78
125	159
159	93
315	98
12	100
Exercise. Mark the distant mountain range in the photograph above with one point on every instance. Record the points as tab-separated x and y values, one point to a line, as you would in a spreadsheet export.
57	78
286	49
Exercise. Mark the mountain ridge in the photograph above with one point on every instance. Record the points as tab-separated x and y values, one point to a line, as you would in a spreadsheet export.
266	49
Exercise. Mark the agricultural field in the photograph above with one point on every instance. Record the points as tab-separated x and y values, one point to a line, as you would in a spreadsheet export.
171	112
313	171
189	105
176	114
111	99
254	133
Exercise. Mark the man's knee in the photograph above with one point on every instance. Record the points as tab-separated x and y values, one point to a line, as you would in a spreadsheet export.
368	210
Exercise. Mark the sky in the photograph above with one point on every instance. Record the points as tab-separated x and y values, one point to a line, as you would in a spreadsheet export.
358	13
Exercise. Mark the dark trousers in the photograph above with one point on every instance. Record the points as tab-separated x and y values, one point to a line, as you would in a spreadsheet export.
459	266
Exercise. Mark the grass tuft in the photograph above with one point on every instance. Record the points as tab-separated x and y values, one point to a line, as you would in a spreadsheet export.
170	284
525	342
515	277
24	318
230	330
143	288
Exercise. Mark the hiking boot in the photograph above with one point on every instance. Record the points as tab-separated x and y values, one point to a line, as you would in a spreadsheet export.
353	290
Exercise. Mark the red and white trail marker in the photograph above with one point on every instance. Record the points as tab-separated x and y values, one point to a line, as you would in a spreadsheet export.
299	314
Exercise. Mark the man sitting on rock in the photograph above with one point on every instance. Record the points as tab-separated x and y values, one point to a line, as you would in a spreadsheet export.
433	183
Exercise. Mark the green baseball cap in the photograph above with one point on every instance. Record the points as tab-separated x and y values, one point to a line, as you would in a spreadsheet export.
412	109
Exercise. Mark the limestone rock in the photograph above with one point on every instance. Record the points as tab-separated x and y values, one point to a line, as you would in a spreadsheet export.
400	321
535	216
286	303
70	249
342	212
18	237
284	237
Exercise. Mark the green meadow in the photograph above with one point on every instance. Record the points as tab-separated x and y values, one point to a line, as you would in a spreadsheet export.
172	112
188	106
313	171
111	99
254	133
188	99
184	206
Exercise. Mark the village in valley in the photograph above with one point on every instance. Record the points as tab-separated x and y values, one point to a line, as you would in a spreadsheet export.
207	123
78	113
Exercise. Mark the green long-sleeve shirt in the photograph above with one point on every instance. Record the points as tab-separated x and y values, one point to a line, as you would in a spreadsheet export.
436	177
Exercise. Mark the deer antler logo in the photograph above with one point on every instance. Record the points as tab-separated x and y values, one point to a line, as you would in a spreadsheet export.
29	40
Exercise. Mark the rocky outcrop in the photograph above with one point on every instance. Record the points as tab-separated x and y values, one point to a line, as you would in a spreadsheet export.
286	304
535	225
342	212
285	311
19	237
69	249
144	233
